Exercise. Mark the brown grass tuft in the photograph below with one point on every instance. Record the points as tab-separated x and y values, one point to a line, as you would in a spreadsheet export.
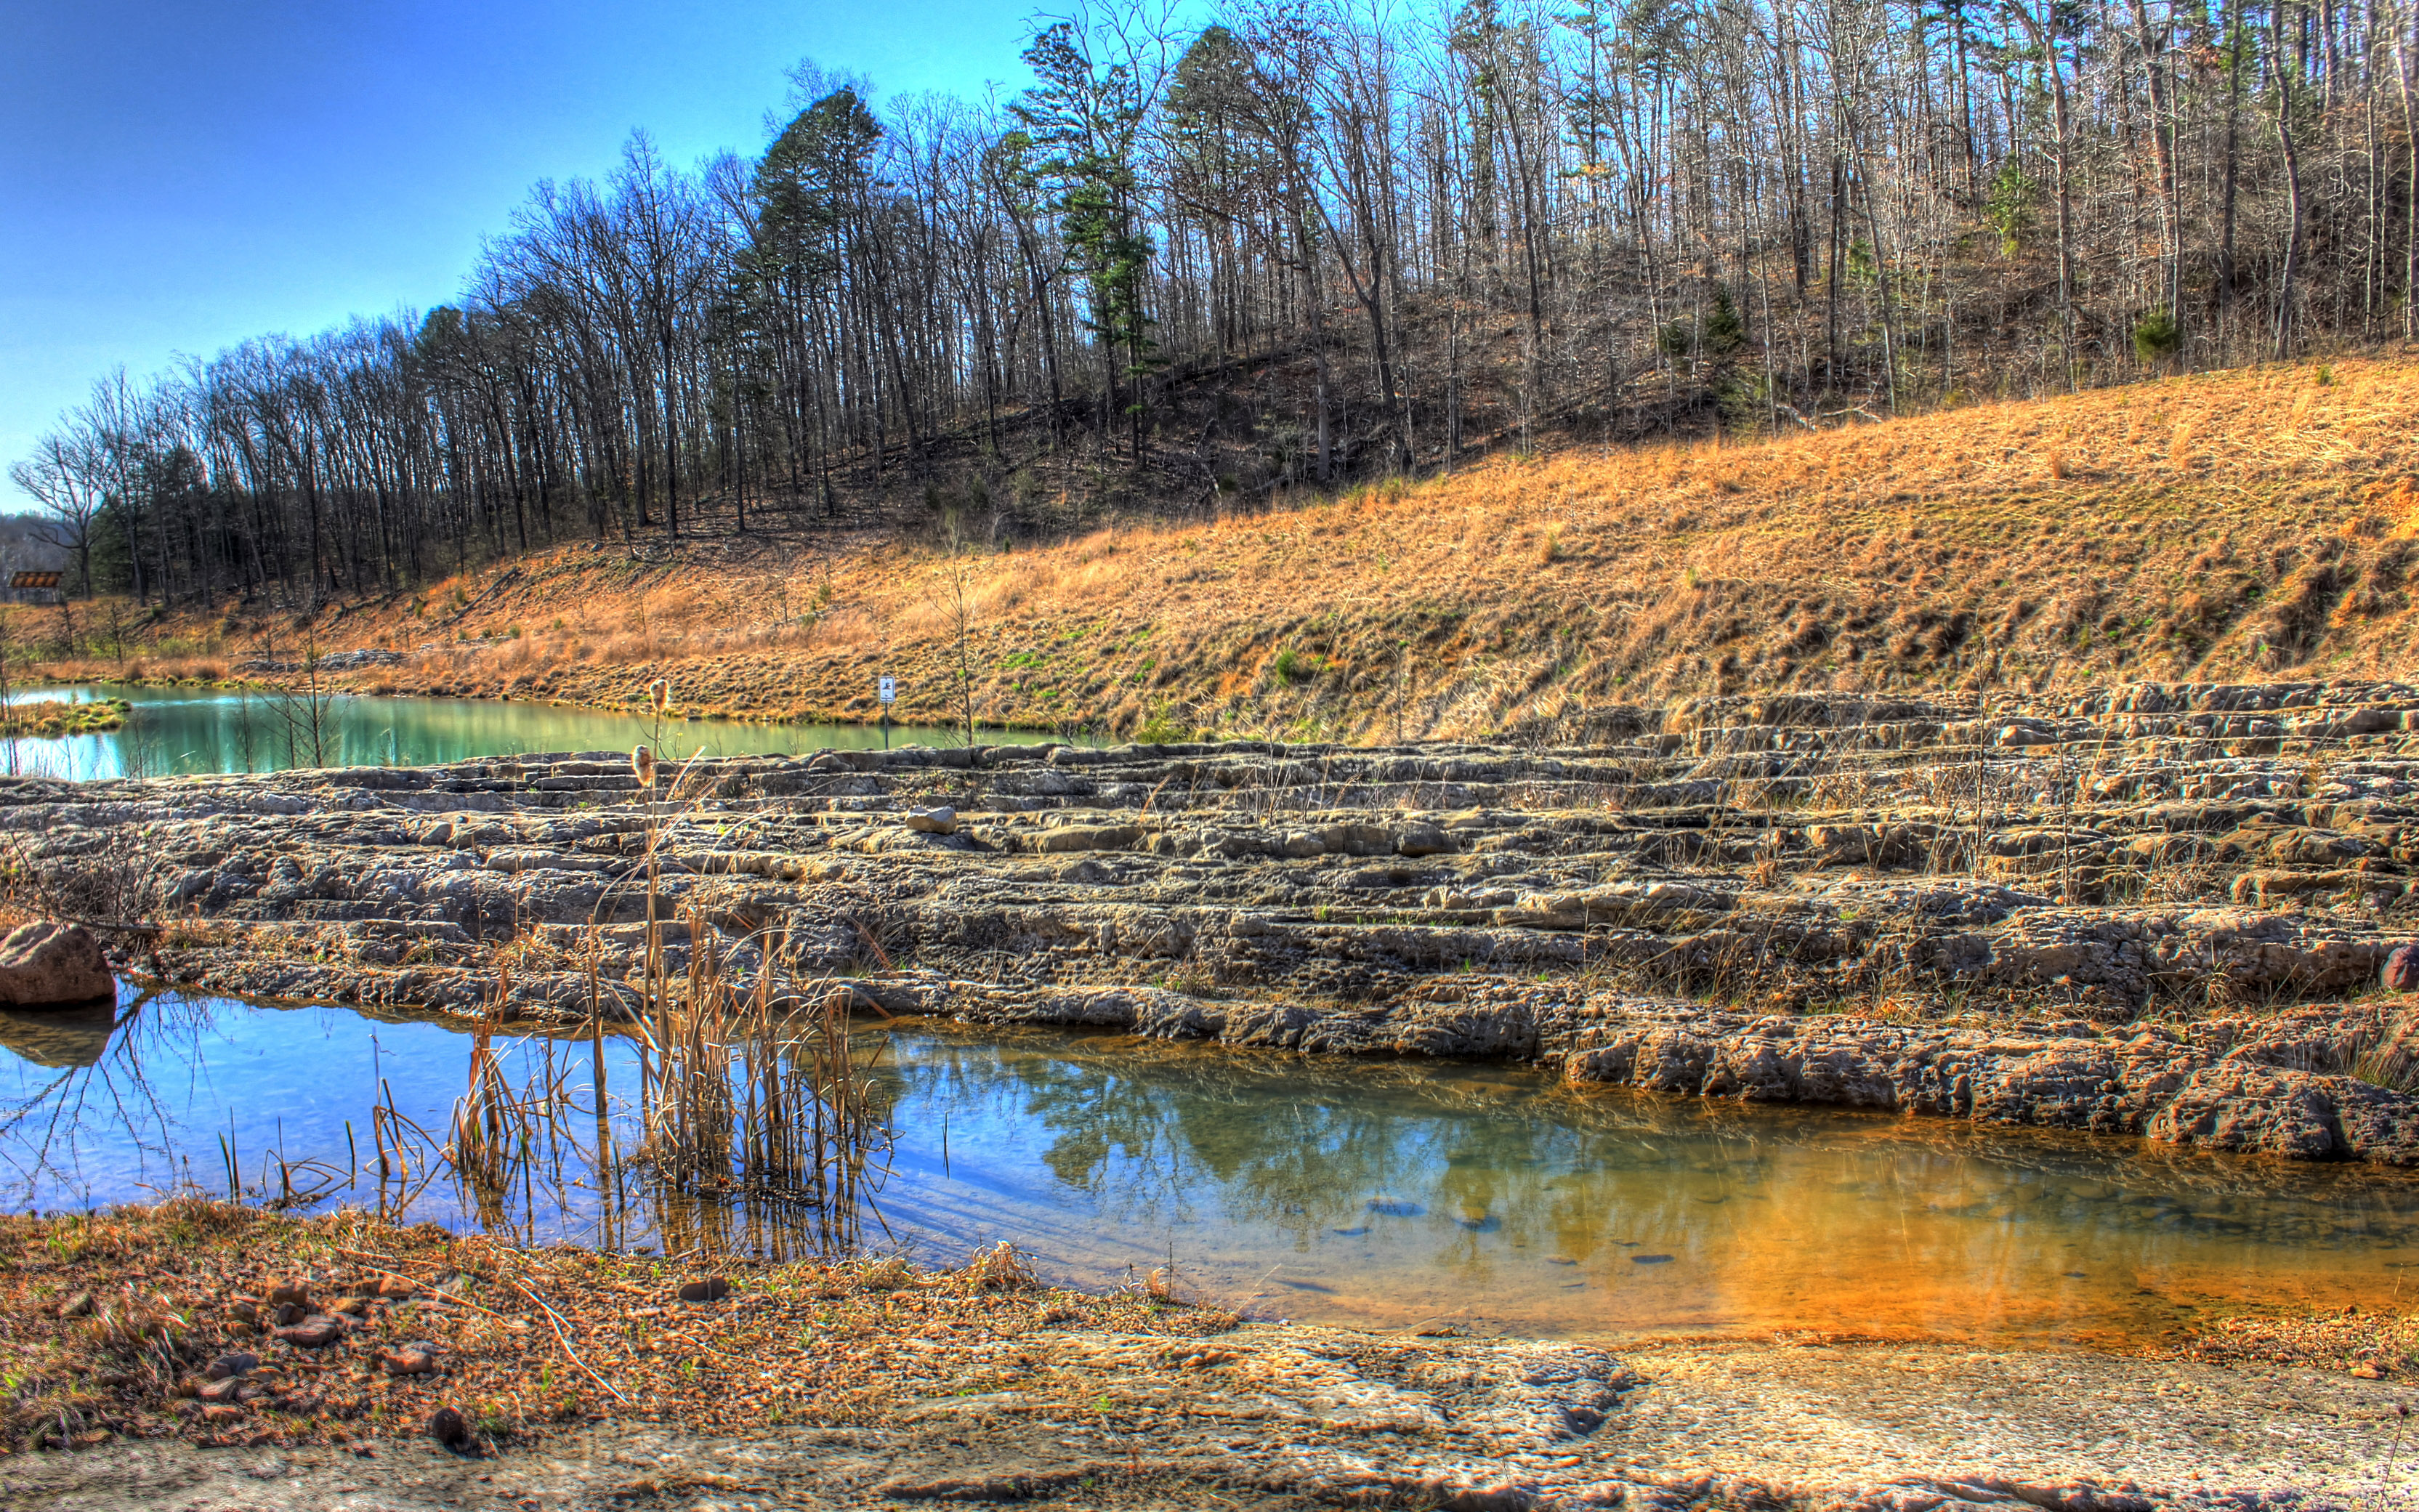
999	1267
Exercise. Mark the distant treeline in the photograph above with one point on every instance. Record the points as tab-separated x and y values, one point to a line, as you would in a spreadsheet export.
27	545
1308	244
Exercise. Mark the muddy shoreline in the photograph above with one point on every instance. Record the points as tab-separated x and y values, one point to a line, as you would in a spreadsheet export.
1844	1429
587	1381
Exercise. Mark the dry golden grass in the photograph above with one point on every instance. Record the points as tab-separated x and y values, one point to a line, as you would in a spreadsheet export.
51	717
535	1338
2250	524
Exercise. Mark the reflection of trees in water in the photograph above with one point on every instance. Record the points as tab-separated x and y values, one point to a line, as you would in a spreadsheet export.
1154	1135
1303	1144
135	1092
115	1104
125	1110
1109	1131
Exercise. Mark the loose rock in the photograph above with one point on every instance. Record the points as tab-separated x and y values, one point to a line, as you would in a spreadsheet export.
318	1331
47	965
448	1427
417	1358
2402	973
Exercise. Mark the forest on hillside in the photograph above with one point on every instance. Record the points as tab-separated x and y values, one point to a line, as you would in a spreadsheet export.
1184	267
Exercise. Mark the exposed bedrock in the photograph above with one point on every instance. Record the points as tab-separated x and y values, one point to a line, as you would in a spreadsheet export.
2157	910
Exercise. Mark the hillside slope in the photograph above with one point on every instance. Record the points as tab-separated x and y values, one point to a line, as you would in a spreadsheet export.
2252	523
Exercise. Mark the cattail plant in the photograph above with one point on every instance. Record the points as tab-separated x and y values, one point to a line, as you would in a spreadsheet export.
759	1086
753	1098
745	1087
489	1130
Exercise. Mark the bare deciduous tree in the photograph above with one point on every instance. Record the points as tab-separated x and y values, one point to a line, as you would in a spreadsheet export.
1307	241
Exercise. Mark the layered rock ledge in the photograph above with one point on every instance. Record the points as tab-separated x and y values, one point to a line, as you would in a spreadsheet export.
2160	910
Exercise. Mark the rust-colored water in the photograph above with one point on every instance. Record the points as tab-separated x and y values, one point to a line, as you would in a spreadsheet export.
1405	1193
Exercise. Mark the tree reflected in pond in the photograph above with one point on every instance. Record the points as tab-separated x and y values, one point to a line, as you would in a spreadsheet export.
1377	1191
1379	1186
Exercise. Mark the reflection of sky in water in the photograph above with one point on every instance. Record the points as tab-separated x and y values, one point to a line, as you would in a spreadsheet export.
56	695
1372	1191
177	731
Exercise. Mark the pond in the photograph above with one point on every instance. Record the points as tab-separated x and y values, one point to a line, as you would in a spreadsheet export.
178	730
1396	1194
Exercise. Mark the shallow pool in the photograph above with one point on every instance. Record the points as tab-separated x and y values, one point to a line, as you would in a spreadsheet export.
174	731
1386	1193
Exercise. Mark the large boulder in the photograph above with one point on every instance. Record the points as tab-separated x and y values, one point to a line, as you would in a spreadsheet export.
44	965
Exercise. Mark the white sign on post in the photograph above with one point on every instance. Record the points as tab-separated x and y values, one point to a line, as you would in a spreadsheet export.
889	691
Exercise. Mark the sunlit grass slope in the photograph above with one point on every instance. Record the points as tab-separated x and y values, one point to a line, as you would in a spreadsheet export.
2242	525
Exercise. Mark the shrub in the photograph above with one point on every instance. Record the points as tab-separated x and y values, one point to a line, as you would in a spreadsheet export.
2157	336
1293	666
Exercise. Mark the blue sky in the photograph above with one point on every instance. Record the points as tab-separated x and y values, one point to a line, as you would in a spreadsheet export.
177	178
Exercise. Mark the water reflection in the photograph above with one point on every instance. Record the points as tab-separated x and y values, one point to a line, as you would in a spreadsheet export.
65	1038
301	1107
1490	1195
175	730
1376	1192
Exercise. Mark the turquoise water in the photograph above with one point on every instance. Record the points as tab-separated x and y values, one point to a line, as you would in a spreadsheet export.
175	730
1392	1193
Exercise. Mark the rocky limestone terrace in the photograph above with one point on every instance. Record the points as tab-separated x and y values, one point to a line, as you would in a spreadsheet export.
2157	910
